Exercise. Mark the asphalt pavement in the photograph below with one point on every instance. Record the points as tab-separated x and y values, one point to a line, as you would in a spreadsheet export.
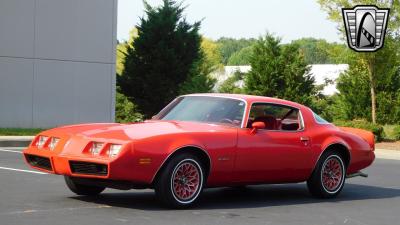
29	197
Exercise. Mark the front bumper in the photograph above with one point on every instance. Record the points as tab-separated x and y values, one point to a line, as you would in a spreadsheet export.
71	165
71	158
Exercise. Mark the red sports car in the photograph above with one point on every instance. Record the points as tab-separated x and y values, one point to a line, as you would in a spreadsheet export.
206	140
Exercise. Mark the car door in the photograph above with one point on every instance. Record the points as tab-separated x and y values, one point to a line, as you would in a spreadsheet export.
278	153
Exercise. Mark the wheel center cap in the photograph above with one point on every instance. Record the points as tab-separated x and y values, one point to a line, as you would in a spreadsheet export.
183	180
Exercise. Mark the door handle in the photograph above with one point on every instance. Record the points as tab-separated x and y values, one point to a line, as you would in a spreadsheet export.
304	139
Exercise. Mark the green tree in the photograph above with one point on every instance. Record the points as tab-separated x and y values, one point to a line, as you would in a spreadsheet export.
354	93
230	84
319	51
211	51
122	51
354	87
163	56
209	61
228	46
279	71
334	7
125	110
241	57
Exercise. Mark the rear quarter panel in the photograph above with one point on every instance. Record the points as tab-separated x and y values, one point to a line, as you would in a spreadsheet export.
361	154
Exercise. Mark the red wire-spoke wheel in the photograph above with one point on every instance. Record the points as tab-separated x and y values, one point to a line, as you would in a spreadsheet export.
328	177
181	181
186	180
332	173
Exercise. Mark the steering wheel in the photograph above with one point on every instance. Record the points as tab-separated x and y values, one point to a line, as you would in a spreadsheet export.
226	120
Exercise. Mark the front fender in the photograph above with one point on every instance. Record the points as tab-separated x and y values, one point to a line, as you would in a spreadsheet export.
151	153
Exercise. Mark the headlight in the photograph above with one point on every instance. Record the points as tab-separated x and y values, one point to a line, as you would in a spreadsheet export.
96	148
114	150
42	140
53	143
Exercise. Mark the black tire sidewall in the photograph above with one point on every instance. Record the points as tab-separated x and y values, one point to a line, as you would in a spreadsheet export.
81	189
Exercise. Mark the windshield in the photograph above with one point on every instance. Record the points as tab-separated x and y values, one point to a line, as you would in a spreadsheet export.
205	109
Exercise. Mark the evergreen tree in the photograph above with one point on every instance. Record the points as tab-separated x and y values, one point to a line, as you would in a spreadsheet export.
279	71
161	57
200	80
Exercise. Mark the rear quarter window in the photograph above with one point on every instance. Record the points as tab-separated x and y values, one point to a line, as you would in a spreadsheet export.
319	119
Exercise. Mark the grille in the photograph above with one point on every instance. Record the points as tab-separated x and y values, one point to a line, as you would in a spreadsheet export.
38	161
88	168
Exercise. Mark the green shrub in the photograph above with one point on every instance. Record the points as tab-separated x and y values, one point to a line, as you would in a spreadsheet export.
365	125
396	132
125	110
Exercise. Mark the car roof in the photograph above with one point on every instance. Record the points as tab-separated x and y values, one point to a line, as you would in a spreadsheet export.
251	98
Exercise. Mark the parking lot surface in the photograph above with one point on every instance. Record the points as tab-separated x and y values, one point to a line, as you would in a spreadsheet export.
28	197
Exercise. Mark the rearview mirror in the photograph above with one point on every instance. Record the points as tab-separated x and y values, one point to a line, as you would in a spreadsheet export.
256	126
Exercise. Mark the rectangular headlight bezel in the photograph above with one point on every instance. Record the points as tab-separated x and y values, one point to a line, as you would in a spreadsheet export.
41	141
114	150
96	147
53	143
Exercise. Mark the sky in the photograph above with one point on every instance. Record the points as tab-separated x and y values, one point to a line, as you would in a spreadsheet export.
288	19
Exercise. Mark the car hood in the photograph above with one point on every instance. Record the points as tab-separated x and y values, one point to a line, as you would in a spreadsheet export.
134	131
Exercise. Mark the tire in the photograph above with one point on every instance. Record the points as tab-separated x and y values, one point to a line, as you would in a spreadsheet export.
180	182
328	177
81	189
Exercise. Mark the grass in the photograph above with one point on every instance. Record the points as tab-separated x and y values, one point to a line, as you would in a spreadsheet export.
20	131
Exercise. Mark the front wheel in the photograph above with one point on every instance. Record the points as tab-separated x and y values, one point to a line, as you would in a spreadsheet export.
81	189
328	177
181	181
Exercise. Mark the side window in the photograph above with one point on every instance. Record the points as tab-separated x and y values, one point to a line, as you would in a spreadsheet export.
275	117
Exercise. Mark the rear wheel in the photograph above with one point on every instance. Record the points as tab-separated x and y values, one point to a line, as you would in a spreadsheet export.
181	181
328	177
81	189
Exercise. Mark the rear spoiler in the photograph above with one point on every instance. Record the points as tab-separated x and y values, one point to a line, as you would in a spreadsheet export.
364	134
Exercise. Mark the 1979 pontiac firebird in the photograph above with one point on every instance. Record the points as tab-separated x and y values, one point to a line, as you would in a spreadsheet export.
206	140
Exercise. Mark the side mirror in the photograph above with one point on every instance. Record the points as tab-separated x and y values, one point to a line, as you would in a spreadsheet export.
256	126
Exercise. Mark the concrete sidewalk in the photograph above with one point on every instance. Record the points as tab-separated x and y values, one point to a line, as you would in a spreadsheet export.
15	141
387	154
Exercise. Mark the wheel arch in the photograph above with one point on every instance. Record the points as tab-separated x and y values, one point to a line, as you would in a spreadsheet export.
192	149
339	147
342	149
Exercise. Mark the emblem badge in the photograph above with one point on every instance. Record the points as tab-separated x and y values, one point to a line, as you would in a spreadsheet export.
365	27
